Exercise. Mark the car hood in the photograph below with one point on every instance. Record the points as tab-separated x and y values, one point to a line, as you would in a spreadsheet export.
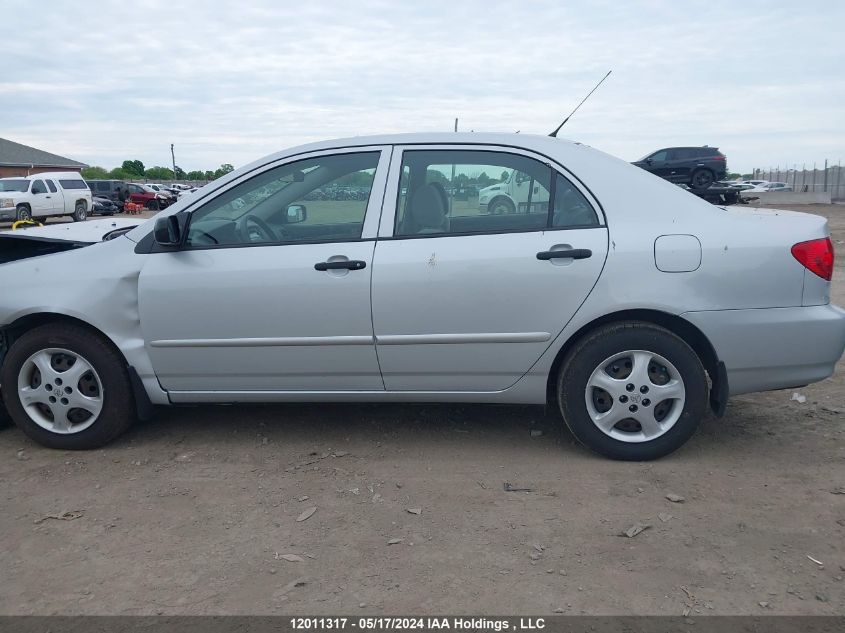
14	195
29	242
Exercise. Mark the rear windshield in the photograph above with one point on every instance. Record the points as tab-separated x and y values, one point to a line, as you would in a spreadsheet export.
77	183
14	185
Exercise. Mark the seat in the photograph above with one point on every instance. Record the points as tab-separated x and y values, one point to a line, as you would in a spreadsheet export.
427	212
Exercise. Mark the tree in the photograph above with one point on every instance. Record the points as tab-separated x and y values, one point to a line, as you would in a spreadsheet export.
159	173
434	175
224	169
483	179
94	173
118	173
180	173
134	167
195	175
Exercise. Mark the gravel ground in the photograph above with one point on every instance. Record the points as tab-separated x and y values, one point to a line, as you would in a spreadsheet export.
196	512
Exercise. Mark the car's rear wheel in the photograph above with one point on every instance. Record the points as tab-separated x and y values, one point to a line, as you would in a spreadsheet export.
632	391
23	212
153	205
500	206
67	388
80	213
701	179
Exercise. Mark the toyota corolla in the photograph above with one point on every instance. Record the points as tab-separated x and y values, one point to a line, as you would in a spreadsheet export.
351	270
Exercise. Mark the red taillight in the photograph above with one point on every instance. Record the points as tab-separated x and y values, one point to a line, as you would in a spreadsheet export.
720	157
816	256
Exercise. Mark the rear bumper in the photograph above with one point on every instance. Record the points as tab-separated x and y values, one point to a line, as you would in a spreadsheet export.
774	348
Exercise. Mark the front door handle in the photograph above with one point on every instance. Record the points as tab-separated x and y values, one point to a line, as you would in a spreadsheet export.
352	264
572	253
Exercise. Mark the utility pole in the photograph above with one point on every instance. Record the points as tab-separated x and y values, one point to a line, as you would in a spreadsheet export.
173	156
456	125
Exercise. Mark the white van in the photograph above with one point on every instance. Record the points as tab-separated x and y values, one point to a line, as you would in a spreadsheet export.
44	195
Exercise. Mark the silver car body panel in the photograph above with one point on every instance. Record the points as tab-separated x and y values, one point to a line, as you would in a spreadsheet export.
481	321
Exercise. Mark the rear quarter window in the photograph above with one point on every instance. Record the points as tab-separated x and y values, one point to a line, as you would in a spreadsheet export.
75	183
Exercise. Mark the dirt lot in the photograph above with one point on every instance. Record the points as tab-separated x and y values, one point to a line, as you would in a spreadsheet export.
193	512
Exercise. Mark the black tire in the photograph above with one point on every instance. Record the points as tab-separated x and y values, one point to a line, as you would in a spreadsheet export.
153	205
118	410
500	206
701	179
589	353
80	212
23	212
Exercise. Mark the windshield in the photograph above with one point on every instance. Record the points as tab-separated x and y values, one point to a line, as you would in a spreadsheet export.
14	185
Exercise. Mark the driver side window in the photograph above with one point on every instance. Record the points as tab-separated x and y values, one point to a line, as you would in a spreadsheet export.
322	199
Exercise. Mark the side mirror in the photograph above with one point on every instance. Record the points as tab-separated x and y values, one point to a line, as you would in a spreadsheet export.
296	213
169	231
649	160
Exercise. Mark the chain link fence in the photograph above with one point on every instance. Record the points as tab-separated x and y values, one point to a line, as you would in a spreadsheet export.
819	179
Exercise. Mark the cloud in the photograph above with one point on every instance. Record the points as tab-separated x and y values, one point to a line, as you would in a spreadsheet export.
229	82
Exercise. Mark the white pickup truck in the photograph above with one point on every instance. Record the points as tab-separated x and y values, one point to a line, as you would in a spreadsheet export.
44	195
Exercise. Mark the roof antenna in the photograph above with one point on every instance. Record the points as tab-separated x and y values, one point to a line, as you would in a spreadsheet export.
580	104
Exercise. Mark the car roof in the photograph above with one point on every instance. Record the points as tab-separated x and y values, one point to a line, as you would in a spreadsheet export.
47	174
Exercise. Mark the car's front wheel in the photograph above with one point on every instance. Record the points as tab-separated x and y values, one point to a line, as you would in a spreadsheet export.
500	206
632	391
23	213
66	387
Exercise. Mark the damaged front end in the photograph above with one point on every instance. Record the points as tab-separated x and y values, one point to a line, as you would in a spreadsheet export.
14	247
57	238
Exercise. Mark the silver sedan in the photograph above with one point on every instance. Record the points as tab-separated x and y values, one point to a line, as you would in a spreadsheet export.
422	268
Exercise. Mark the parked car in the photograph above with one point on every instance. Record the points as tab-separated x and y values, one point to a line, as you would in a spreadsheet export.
768	187
169	192
101	205
697	167
630	304
44	195
107	188
778	186
186	192
147	196
755	183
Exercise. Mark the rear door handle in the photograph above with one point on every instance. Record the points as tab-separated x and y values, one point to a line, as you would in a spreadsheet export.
352	264
572	253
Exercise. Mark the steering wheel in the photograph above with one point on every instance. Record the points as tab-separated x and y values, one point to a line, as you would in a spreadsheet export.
253	229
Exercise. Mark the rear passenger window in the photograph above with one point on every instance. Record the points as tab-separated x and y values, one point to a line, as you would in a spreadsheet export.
52	186
448	192
461	191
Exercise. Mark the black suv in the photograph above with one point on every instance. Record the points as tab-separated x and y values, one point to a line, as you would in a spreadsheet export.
698	167
105	188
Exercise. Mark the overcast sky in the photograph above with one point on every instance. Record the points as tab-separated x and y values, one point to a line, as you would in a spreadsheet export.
231	81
